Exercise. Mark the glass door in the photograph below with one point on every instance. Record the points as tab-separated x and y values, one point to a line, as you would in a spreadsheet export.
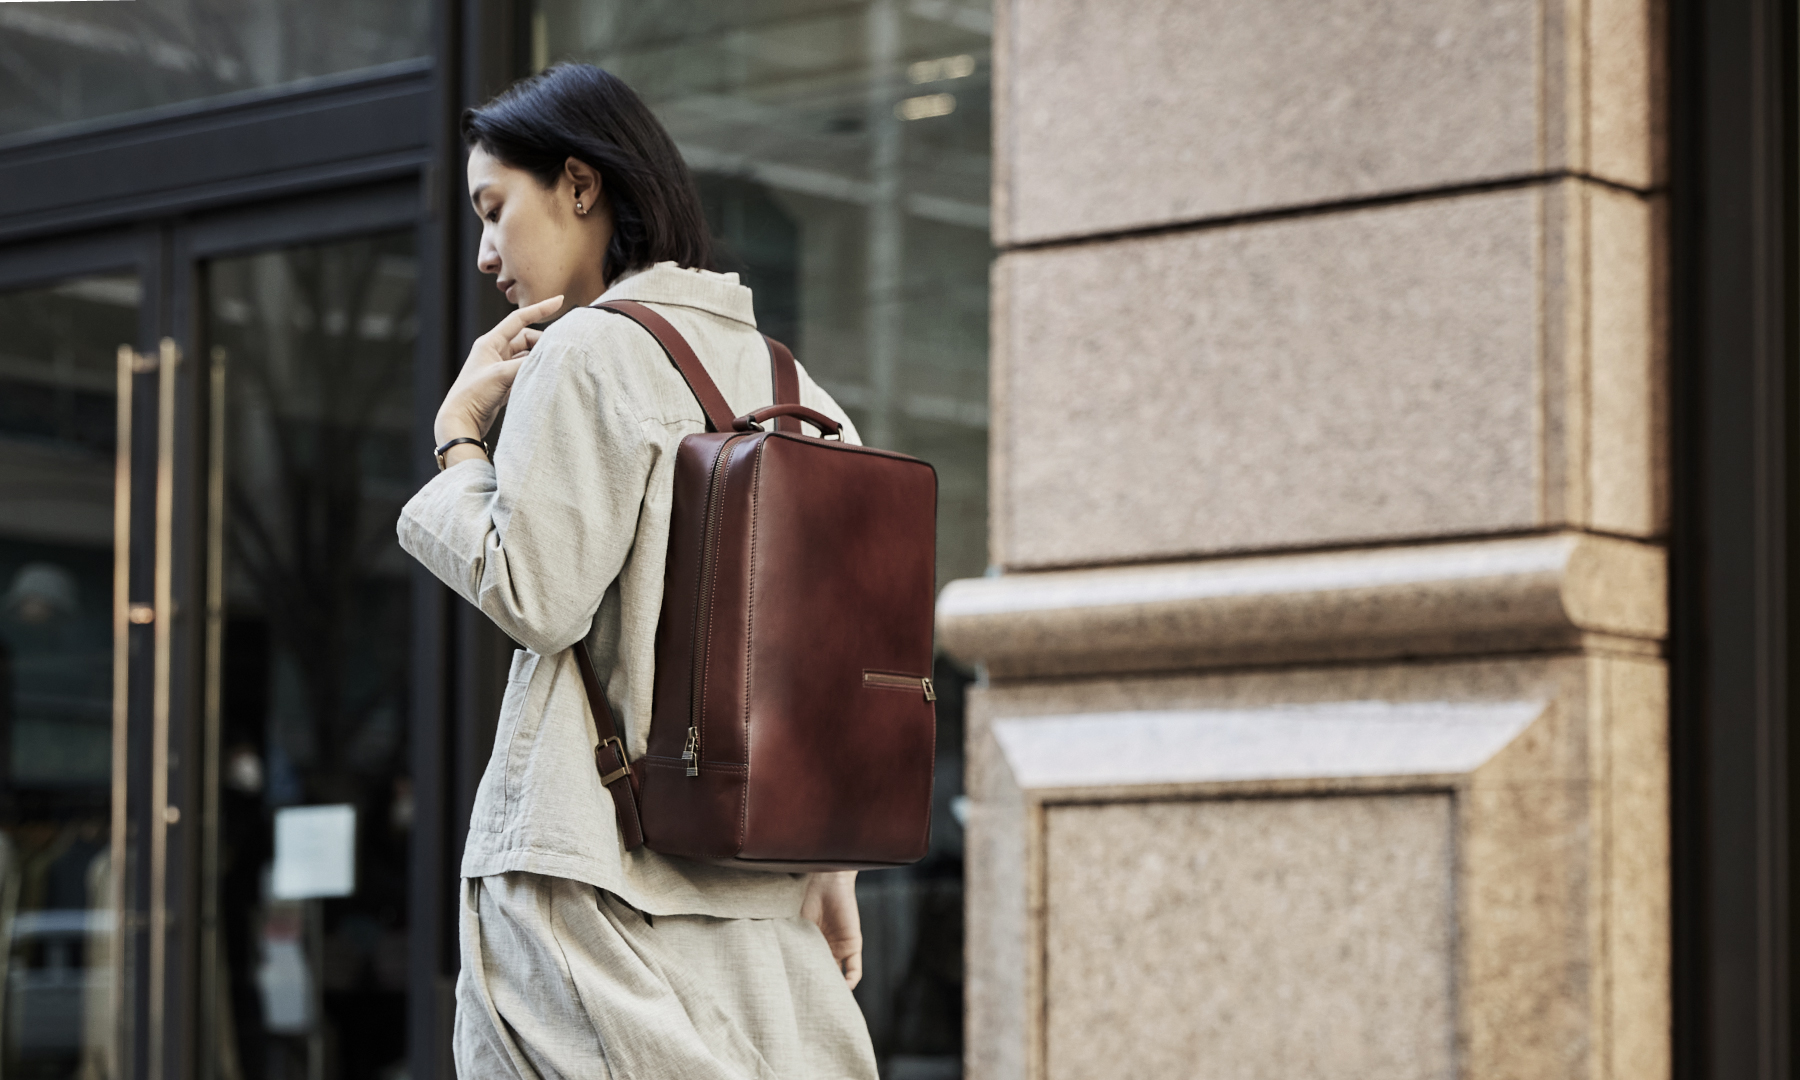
65	434
309	354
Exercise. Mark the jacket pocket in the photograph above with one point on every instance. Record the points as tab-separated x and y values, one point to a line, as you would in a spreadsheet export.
497	783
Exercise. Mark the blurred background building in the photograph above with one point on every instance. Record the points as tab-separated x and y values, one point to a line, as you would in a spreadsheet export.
1364	437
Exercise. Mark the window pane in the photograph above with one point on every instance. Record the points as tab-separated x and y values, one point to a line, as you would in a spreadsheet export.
61	63
58	417
316	344
841	148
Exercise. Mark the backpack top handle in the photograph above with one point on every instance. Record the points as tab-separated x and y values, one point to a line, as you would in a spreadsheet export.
752	421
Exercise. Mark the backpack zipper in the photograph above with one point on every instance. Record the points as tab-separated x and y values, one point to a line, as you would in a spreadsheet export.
887	680
709	540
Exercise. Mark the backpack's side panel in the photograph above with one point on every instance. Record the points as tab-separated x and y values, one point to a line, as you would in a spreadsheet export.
696	816
843	587
725	609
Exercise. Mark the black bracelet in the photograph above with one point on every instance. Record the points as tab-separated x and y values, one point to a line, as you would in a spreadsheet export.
442	450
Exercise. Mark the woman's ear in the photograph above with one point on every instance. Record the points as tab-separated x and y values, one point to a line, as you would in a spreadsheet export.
585	179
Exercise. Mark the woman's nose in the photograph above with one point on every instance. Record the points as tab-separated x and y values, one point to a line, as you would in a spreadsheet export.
488	261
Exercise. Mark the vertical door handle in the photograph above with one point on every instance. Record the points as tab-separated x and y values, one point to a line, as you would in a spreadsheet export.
125	614
163	631
159	615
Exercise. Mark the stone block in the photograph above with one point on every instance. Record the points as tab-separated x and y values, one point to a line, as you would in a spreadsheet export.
1456	366
1506	594
1285	938
1150	842
1198	109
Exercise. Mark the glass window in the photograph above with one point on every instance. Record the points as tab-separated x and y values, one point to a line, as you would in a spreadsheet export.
315	349
62	63
58	424
842	150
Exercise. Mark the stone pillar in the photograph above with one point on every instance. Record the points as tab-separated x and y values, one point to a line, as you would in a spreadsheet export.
1323	727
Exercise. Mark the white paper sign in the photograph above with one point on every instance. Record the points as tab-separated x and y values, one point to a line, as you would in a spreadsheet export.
315	852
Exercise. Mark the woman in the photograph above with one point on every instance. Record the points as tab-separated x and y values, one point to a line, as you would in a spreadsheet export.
578	958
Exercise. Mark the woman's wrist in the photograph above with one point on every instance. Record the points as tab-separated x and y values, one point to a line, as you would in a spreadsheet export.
457	425
462	452
454	424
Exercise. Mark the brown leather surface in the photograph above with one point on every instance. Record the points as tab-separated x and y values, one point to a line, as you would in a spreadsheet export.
795	564
609	756
843	582
786	383
752	420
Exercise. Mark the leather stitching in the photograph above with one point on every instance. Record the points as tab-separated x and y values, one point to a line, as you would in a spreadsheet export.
749	627
710	586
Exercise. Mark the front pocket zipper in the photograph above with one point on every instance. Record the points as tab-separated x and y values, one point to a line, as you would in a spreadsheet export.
888	680
691	752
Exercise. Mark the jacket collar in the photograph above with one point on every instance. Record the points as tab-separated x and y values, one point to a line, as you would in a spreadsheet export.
667	283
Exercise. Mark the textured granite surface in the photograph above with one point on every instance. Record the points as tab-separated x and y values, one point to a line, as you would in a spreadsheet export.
1215	746
1351	377
1454	366
1558	861
1499	595
1197	109
1285	939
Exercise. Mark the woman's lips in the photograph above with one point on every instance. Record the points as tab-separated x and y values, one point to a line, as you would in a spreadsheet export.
505	287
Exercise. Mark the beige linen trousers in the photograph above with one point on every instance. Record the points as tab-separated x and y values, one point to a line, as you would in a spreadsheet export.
563	980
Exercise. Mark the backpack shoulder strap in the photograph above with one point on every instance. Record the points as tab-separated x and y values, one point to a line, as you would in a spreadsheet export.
718	412
787	383
609	755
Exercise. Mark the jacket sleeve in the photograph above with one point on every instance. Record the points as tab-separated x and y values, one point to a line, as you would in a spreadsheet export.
535	538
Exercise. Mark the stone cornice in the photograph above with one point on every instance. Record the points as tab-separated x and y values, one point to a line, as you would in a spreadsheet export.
1563	591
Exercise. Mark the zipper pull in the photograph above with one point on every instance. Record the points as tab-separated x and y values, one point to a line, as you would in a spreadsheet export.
930	690
691	752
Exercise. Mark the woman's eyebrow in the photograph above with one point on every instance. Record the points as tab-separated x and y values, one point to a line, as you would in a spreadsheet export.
475	196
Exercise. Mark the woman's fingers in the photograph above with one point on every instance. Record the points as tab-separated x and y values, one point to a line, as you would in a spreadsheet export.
526	339
508	370
847	951
486	378
508	328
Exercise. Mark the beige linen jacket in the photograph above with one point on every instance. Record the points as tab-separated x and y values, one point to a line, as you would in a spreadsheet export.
562	537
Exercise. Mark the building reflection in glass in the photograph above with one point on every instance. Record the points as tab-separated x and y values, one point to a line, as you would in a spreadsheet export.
66	63
315	346
58	422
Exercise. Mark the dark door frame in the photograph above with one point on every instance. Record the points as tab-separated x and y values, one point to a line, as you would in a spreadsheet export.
318	217
1732	290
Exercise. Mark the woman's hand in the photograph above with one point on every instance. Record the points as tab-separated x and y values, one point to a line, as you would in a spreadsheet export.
831	904
487	377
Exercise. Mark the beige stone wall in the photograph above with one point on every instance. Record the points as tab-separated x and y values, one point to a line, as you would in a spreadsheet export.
1327	376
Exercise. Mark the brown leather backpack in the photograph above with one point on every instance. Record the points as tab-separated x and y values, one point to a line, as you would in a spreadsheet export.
793	726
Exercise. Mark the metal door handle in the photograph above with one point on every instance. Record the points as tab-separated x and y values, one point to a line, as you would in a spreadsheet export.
163	630
159	615
125	614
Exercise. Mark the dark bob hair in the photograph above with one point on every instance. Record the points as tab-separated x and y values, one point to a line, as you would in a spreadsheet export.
579	111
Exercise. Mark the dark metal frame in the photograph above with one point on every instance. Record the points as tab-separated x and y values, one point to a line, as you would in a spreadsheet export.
1733	294
156	193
